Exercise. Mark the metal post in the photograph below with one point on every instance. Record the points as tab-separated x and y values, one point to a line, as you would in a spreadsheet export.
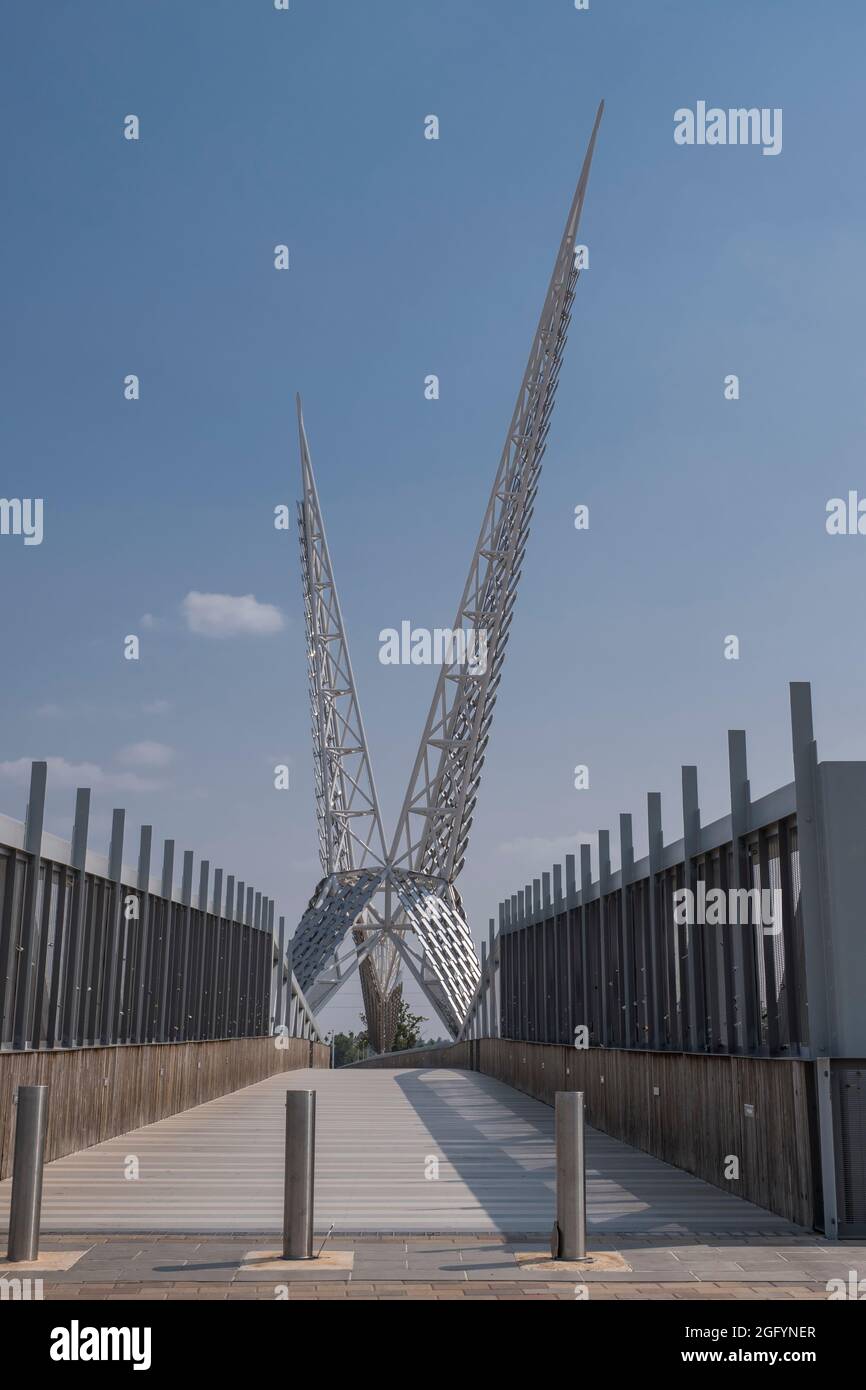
536	967
228	948
747	1005
268	1000
26	1203
186	961
259	905
281	954
813	907
547	934
570	961
605	928
484	986
588	1012
166	985
658	949
201	1003
560	957
115	927
508	981
291	998
570	1235
27	944
493	1009
522	955
144	955
248	967
691	942
218	949
626	856
826	1139
300	1175
238	961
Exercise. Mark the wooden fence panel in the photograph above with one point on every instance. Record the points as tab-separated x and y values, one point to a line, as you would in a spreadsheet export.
100	1092
695	1111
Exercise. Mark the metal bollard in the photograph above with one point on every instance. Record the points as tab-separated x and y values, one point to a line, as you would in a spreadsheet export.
300	1175
570	1229
26	1204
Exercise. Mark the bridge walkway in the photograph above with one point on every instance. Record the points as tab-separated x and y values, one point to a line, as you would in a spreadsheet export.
427	1150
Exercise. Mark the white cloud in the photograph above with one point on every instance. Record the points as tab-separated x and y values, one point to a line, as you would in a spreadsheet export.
66	775
60	772
224	615
75	709
533	853
146	754
147	620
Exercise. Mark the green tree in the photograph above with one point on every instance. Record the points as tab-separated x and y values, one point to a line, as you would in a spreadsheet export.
349	1047
408	1032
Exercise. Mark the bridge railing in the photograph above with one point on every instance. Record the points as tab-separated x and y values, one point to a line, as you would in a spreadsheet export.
93	952
743	937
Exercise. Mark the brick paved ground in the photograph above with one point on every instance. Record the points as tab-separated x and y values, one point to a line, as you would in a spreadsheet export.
716	1266
470	1291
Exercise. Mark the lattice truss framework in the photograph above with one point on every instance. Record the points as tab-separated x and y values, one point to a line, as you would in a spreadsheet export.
401	906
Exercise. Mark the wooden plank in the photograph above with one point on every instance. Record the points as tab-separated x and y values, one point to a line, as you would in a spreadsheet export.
698	1120
98	1092
419	1149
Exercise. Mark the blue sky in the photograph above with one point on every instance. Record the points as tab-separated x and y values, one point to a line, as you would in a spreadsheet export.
411	257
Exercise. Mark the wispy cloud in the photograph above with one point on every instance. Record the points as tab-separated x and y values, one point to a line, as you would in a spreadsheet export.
156	707
146	754
87	709
73	709
65	775
534	853
227	615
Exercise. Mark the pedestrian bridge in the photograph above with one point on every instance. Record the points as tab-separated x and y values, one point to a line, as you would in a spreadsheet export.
168	1023
423	1150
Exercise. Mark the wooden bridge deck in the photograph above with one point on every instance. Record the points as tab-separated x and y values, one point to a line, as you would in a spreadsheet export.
219	1167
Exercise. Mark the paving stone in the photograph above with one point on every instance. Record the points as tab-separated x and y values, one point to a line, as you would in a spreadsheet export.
434	1269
